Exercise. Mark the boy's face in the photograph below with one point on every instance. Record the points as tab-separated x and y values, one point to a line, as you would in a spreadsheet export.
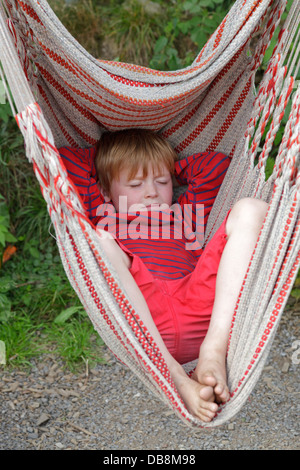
153	189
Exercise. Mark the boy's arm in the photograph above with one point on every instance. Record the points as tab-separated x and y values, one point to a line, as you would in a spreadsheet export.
80	167
203	173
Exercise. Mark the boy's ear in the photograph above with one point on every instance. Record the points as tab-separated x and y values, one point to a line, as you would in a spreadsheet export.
106	198
105	195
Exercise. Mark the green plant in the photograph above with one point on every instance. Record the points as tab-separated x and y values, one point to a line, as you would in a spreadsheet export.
5	237
21	339
280	132
23	198
9	138
84	20
188	27
134	26
162	35
73	335
6	284
5	234
5	111
41	312
33	285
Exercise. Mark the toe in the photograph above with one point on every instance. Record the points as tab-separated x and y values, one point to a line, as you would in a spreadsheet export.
209	379
207	394
207	414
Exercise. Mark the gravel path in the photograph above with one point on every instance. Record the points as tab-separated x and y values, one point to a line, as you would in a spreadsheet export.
108	409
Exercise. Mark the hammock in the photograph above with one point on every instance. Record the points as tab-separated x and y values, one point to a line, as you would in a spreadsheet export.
64	96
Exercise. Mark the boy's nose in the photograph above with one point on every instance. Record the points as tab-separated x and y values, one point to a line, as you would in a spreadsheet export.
150	190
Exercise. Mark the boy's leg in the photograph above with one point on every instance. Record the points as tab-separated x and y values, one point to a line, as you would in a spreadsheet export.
209	380
199	398
243	226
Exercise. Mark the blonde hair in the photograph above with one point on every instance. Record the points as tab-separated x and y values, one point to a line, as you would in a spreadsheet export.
131	149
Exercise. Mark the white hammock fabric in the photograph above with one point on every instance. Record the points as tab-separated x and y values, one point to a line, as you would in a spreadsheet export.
64	96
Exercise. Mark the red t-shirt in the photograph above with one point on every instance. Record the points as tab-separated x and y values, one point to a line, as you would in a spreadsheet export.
169	243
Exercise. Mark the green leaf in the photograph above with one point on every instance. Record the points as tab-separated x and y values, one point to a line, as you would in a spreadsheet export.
2	239
207	3
5	308
3	218
160	44
34	252
198	37
192	7
269	167
9	237
3	229
184	27
2	353
6	283
66	314
3	114
295	293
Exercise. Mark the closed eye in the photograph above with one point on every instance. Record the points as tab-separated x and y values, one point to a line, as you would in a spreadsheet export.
134	184
162	181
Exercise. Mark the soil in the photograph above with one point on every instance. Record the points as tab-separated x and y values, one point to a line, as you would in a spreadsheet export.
106	408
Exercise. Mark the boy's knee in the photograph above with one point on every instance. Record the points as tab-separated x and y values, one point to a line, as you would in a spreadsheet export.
247	212
115	254
250	207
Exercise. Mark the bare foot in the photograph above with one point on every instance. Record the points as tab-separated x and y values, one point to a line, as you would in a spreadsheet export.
211	372
199	399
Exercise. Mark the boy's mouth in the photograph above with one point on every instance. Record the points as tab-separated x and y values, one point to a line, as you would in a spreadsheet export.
152	205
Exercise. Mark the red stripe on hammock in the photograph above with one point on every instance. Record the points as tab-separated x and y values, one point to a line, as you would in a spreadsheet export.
220	33
230	118
29	11
69	138
159	73
54	56
53	82
88	113
219	77
191	137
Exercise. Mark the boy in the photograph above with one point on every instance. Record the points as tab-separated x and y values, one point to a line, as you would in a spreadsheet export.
185	297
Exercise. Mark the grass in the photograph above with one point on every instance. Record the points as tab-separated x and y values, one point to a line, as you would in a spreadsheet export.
134	30
84	20
74	342
157	33
39	311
